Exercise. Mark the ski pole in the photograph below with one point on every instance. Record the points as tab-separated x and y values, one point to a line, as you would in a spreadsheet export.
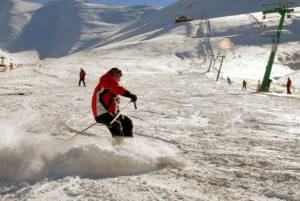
80	132
90	126
135	107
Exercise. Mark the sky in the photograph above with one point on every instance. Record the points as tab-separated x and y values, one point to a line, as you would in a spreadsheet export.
160	3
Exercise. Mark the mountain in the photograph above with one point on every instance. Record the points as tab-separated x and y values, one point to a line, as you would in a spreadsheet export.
14	15
244	39
63	27
197	9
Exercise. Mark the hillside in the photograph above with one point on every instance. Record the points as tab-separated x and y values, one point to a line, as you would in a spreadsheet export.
197	9
60	28
98	31
240	38
14	15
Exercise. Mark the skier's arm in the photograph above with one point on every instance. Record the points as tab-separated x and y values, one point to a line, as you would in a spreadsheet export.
118	89
114	87
133	97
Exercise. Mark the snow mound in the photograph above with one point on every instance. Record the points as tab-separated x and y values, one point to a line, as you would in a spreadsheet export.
24	159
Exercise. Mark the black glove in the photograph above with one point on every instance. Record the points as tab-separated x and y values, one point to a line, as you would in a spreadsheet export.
133	97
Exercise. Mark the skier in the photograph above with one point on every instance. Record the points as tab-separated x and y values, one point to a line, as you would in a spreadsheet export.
81	77
269	83
228	80
288	86
105	103
244	85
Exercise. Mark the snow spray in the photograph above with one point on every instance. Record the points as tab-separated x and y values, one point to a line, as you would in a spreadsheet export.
27	157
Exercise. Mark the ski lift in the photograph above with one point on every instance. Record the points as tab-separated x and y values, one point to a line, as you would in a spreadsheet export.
183	19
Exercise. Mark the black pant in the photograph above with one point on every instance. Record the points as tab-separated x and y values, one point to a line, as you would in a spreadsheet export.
288	90
81	80
122	126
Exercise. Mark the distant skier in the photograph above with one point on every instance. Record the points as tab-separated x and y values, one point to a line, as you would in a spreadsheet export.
105	103
229	80
288	86
269	83
81	77
244	85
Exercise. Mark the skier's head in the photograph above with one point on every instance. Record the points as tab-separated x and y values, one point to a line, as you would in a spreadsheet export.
117	73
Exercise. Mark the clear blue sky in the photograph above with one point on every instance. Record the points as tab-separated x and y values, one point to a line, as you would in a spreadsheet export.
161	3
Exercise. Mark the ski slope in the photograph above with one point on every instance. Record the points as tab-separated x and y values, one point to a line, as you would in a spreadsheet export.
195	138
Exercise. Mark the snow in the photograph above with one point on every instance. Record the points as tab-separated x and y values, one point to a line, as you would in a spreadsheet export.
197	9
31	161
14	15
59	28
195	138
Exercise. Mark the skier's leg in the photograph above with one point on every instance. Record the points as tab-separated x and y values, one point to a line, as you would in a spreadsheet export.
127	125
83	82
115	129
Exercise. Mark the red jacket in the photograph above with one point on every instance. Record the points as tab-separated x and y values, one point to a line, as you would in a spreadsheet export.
106	94
82	74
289	83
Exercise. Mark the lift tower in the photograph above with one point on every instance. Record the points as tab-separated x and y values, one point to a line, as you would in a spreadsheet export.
283	12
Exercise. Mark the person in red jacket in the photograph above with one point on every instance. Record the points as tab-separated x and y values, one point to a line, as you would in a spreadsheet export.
244	83
81	77
105	103
288	86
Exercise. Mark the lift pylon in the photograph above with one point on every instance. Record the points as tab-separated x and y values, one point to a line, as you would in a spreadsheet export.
283	11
